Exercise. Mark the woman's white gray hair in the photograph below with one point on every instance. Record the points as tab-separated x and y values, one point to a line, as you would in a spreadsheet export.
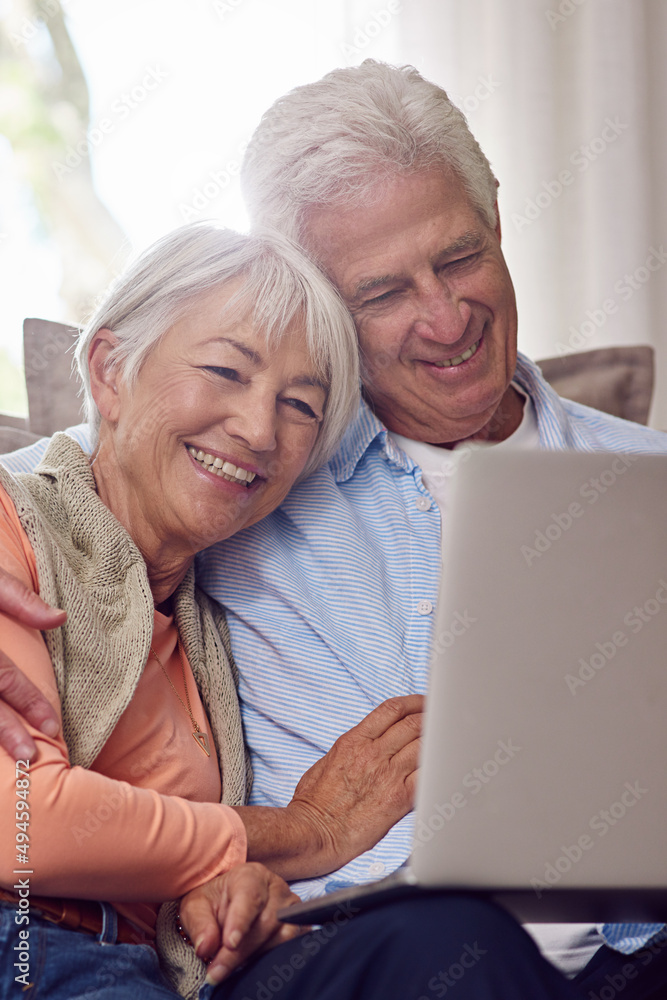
280	286
337	140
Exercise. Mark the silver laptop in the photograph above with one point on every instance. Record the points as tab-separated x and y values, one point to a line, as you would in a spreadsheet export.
543	782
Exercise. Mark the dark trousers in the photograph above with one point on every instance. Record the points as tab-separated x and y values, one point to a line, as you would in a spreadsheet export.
418	949
612	976
432	947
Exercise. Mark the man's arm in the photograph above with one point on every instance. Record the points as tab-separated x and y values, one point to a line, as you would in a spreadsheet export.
16	690
347	800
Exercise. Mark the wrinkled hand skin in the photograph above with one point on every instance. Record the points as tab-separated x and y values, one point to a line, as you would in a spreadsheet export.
347	801
233	916
29	704
365	783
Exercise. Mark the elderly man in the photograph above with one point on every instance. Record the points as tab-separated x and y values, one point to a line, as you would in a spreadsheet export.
330	599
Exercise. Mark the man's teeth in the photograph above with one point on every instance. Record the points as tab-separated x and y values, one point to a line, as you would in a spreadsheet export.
226	470
452	362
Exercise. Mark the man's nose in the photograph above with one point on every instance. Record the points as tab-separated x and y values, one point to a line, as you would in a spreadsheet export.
441	314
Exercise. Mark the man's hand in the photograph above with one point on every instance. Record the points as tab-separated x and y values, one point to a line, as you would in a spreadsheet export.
366	782
348	800
234	915
16	690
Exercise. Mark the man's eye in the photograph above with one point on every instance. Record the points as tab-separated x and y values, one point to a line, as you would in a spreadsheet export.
228	373
461	261
381	298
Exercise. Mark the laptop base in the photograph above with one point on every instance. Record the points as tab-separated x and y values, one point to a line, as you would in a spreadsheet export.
555	905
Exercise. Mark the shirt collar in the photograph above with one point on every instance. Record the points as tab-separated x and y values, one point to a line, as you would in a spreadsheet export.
364	432
366	429
553	424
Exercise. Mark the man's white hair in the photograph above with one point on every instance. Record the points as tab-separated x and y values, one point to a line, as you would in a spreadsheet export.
336	141
280	286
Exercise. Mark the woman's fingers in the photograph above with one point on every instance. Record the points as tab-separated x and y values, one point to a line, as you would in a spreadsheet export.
228	960
243	902
248	896
197	912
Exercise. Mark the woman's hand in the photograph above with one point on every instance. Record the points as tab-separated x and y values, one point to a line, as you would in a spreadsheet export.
345	802
234	915
16	690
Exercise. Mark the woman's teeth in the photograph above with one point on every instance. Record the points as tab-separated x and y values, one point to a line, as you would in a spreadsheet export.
226	470
459	359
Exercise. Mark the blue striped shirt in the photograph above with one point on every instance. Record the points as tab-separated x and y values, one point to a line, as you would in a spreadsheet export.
322	600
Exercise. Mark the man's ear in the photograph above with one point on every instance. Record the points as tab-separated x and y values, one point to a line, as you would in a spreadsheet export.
103	374
498	232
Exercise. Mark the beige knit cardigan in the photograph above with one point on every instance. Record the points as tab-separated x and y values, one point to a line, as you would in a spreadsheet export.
89	566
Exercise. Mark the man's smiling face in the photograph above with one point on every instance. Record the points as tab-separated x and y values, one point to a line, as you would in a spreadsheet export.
427	284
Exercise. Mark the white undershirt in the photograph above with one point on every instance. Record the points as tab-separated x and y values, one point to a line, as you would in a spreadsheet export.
568	946
438	465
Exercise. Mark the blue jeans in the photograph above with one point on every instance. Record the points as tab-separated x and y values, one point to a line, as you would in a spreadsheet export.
73	965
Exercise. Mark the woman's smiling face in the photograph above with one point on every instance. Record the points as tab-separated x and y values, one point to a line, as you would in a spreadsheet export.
216	429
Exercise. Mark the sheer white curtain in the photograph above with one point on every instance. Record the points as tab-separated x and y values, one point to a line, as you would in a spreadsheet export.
569	101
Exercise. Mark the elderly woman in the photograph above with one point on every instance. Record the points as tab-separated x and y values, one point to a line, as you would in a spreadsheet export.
218	371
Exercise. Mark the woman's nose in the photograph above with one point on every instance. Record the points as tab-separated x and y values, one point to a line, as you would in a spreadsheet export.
255	424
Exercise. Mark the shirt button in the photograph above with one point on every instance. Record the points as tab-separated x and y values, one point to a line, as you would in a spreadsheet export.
377	868
424	608
423	503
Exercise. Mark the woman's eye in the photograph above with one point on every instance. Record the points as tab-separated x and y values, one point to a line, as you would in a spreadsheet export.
302	407
228	373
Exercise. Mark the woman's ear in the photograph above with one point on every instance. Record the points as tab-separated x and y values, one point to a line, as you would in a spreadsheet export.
103	374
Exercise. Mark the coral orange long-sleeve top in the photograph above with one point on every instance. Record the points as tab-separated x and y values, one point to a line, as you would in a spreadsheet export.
144	824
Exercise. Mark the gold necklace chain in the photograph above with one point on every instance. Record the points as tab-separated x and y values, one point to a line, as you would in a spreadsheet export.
200	737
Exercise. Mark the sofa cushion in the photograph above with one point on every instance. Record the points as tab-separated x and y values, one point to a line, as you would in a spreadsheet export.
618	380
53	384
12	438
